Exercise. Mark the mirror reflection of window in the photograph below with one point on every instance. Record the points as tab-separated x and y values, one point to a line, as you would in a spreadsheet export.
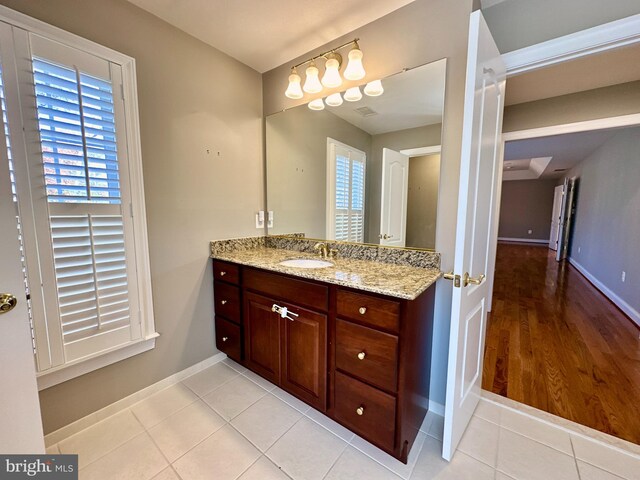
345	196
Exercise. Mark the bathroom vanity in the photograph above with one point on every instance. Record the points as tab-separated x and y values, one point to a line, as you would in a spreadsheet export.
352	340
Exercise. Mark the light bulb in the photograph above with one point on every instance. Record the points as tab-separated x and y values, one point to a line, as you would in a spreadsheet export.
293	90
374	89
316	104
312	82
354	70
334	100
331	77
353	94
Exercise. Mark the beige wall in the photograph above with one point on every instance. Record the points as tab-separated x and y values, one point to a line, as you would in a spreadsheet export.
192	98
422	201
606	228
623	99
421	32
296	144
411	138
526	205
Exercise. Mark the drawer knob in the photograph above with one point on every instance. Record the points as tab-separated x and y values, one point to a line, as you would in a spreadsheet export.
223	302
362	310
361	355
224	339
360	410
223	273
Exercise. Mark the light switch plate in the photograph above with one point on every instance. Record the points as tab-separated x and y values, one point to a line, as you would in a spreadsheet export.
260	219
270	219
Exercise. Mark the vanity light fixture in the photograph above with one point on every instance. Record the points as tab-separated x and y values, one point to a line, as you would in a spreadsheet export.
316	104
374	89
312	83
334	100
355	70
294	90
331	77
353	94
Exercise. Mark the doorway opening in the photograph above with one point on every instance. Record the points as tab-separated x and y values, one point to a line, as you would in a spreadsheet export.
563	331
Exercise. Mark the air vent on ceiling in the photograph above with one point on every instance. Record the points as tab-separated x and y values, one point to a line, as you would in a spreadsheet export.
366	111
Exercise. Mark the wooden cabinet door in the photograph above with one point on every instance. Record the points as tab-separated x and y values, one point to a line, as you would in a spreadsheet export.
304	356
262	337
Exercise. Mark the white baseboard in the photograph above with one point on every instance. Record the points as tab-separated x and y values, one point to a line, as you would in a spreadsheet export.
436	408
124	403
523	240
622	305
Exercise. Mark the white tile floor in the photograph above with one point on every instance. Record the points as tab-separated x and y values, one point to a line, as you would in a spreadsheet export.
227	423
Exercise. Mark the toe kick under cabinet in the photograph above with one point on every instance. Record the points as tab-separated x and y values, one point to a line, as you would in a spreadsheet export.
360	358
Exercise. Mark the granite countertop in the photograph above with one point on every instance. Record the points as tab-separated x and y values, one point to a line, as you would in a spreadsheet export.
399	281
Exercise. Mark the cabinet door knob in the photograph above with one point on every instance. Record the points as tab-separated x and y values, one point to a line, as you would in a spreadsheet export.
360	410
223	273
223	302
224	339
362	310
361	355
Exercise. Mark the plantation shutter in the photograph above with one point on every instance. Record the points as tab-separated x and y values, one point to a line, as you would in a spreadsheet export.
348	192
84	229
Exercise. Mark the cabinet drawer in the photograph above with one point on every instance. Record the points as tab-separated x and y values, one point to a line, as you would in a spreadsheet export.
366	410
227	301
299	292
368	354
227	272
374	311
229	339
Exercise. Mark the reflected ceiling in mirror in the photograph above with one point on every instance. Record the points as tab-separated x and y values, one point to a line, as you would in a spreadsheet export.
365	171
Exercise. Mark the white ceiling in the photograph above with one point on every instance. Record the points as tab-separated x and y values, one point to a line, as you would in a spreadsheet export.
266	34
565	151
411	99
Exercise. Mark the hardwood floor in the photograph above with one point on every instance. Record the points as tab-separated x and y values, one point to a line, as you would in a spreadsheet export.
554	342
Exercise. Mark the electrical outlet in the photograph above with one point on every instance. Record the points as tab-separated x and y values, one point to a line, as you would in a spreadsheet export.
260	219
529	232
270	219
624	276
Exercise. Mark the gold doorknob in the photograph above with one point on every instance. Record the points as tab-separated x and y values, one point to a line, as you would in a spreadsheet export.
360	410
223	273
470	280
224	339
362	310
361	355
7	302
223	302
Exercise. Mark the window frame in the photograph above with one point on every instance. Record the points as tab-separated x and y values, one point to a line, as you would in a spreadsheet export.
10	38
331	186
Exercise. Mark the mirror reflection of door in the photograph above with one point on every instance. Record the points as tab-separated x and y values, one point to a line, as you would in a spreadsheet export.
565	219
555	217
395	187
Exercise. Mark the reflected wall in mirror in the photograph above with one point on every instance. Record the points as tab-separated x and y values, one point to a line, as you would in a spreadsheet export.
365	171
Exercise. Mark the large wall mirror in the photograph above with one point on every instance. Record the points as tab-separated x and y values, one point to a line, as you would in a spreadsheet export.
364	171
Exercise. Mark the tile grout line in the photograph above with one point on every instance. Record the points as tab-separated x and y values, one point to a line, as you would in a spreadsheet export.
112	449
575	460
344	449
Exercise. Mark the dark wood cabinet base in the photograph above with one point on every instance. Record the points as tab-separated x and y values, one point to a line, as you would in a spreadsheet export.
362	359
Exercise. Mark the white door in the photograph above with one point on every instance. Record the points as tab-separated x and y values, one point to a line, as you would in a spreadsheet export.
393	205
21	426
565	218
479	173
555	217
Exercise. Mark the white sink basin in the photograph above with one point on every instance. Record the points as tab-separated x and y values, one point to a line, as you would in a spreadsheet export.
306	263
